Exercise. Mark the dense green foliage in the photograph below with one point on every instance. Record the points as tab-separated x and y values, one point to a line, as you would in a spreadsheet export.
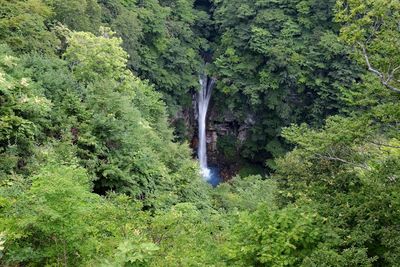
90	170
161	44
279	62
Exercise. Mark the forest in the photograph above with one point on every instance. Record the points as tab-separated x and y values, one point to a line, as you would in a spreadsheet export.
99	133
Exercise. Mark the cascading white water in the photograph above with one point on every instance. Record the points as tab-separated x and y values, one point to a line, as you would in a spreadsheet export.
203	100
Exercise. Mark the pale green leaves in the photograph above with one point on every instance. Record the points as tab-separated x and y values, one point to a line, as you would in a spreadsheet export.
93	57
132	253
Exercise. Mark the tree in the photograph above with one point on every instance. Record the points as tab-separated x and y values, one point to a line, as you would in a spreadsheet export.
77	15
162	45
51	223
279	62
372	27
347	171
23	111
57	221
273	238
126	150
24	26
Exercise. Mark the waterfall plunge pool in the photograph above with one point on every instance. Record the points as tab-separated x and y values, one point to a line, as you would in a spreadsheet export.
213	176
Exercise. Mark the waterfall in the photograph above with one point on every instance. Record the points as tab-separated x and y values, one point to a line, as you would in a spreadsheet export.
203	100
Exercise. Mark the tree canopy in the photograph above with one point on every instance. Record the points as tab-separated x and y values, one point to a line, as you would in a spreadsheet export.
92	172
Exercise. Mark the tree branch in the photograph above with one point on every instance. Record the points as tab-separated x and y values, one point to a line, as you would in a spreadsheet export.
332	158
392	73
384	145
384	81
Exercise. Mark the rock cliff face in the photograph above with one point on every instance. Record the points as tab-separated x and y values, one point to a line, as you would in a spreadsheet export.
219	126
